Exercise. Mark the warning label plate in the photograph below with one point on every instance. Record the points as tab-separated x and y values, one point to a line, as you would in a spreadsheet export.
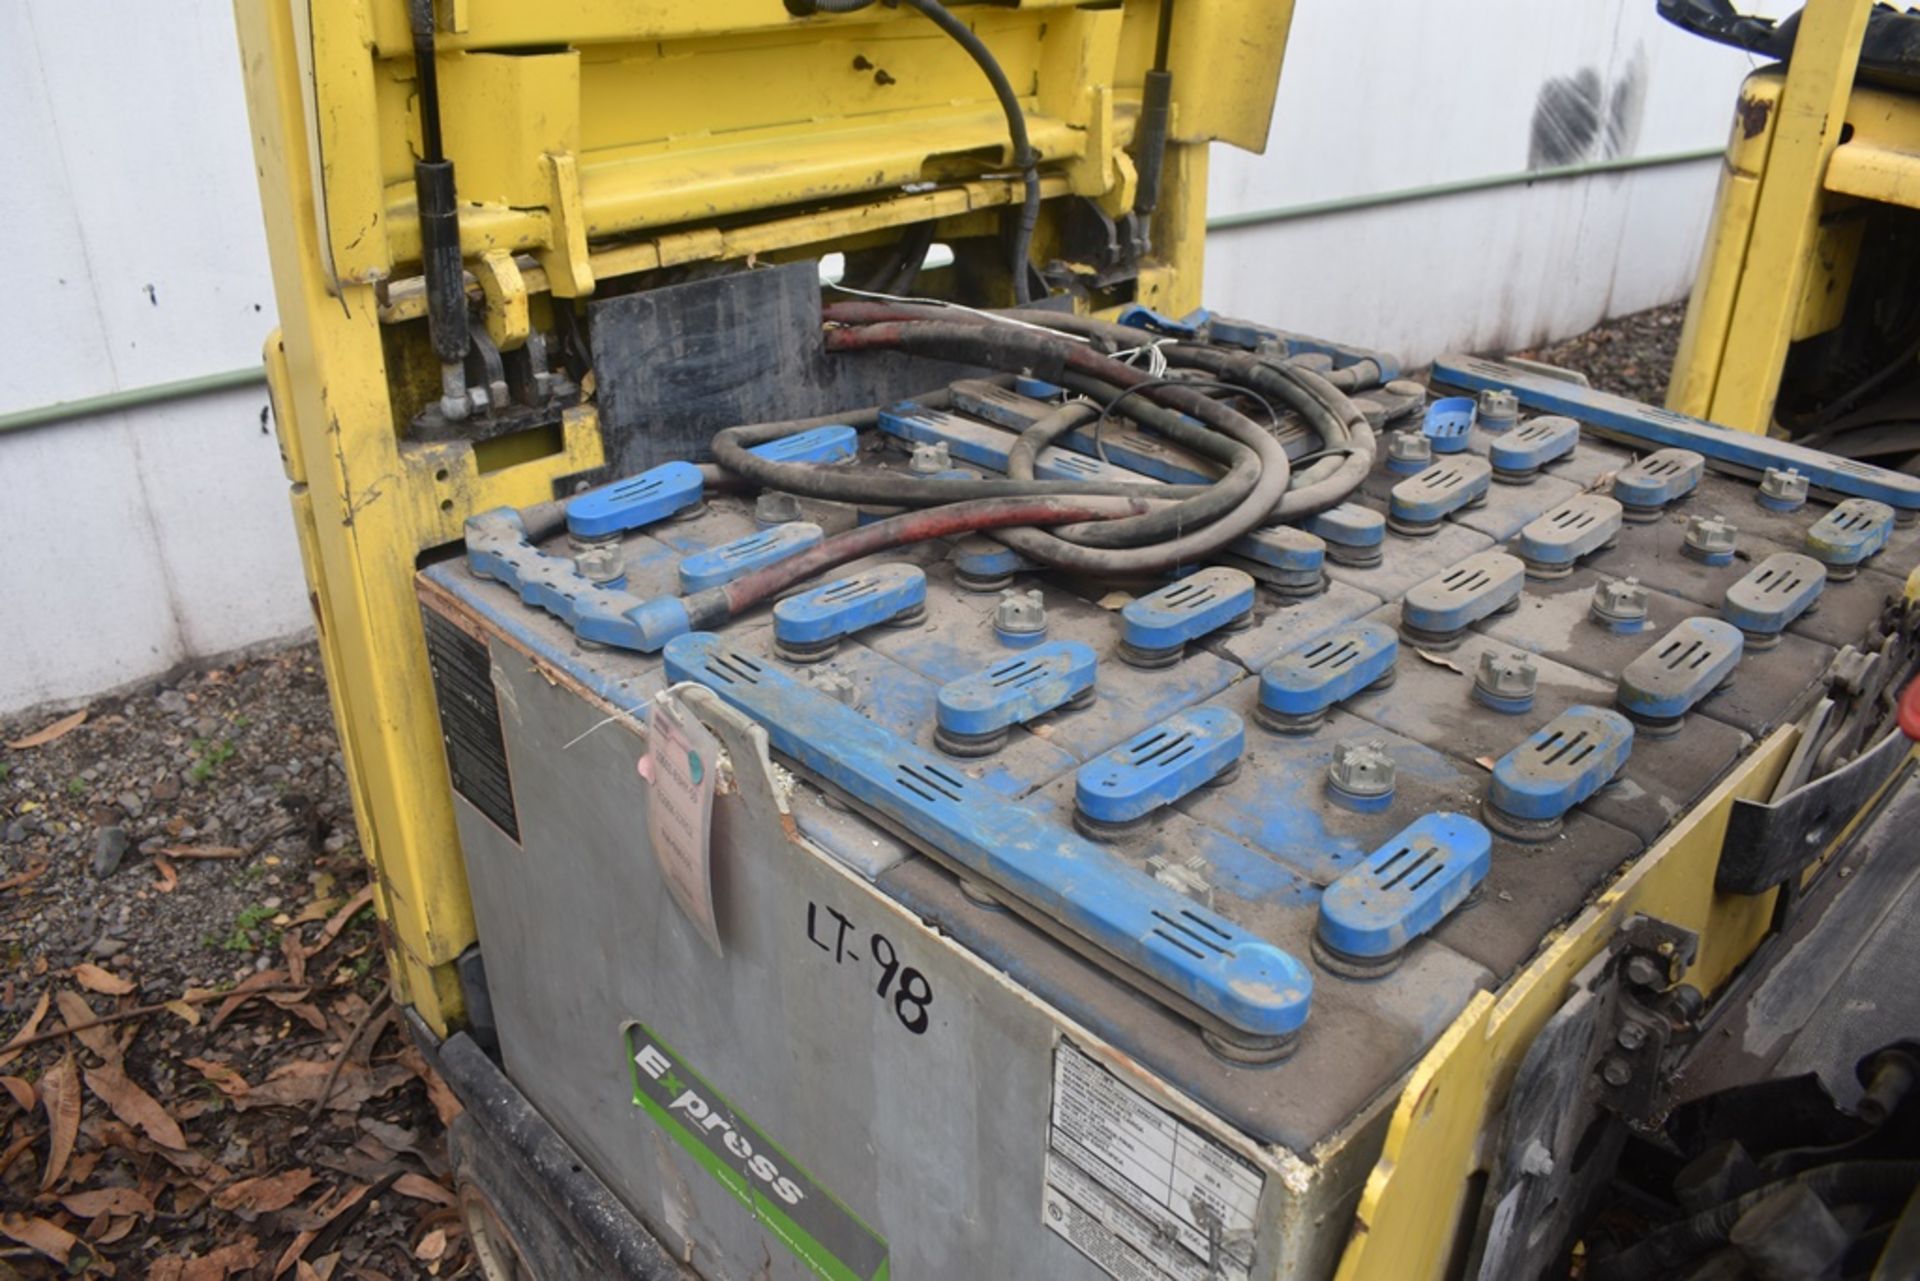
1140	1192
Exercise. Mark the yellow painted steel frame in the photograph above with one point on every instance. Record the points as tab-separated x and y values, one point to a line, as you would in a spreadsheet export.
1808	148
596	139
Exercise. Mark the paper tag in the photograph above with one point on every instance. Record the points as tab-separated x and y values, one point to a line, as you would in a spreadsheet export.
681	764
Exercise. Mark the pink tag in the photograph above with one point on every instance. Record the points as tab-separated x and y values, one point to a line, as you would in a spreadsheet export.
680	766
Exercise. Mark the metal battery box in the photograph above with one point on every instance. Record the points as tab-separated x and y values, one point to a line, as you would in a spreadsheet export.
1051	929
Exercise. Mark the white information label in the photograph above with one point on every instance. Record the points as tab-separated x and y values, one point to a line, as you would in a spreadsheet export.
1140	1192
681	764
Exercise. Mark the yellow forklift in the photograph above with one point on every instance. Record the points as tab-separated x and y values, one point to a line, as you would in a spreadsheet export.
894	743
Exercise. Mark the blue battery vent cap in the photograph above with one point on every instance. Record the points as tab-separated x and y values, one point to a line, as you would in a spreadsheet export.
1157	625
1682	667
653	495
825	614
1436	611
1405	888
1349	527
1159	766
1016	689
1774	593
1662	477
834	443
1422	502
718	566
1298	687
1562	764
1449	424
1852	532
1518	456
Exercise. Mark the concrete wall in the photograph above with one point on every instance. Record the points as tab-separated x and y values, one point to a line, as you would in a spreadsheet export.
1405	94
144	539
135	256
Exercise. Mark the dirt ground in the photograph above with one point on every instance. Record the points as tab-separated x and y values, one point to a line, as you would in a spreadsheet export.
183	862
181	865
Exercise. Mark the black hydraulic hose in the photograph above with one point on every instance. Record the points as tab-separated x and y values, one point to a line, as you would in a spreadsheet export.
732	451
1846	1183
437	205
1024	157
1156	108
1245	466
1015	349
897	272
1327	410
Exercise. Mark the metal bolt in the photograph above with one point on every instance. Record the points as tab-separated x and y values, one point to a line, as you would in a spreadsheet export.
1021	613
1711	536
930	460
1621	601
1616	1071
1410	447
1363	769
478	401
1499	408
1508	675
835	686
776	508
1644	971
598	560
1631	1036
1784	488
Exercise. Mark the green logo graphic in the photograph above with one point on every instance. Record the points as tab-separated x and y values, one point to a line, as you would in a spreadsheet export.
821	1232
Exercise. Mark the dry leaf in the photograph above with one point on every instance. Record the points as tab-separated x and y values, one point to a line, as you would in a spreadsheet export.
117	1229
243	992
58	730
18	879
21	1091
111	1085
318	910
38	1235
265	1194
100	1201
223	1262
27	1029
203	851
74	1012
338	921
432	1246
169	878
95	979
60	1096
298	1084
421	1188
443	1099
224	1076
303	1271
189	1014
1438	661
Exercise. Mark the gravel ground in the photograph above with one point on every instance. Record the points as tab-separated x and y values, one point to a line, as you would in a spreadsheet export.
184	844
194	837
1630	356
